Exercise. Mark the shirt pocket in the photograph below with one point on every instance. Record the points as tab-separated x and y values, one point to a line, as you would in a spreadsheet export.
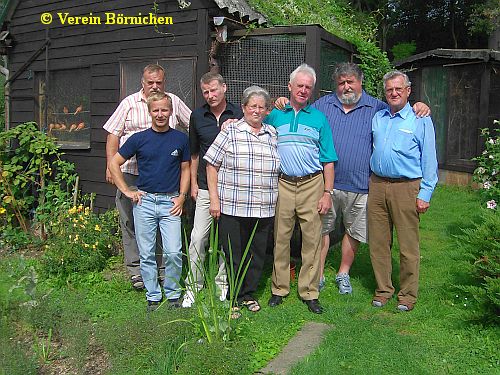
405	141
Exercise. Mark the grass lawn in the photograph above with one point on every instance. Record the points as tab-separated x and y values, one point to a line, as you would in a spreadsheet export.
99	325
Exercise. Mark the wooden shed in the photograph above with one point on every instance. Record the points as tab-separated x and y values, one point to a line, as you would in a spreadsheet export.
462	88
70	63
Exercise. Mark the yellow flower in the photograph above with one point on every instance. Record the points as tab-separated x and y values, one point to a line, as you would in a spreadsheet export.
72	210
2	210
86	245
93	247
97	228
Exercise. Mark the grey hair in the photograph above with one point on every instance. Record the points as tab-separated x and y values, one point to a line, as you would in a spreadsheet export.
306	69
211	76
394	74
255	91
347	69
154	68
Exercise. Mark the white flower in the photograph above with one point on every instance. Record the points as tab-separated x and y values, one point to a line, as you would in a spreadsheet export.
491	157
480	170
493	172
491	141
491	204
487	185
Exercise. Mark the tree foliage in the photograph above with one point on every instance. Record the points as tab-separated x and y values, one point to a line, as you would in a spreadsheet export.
433	23
339	18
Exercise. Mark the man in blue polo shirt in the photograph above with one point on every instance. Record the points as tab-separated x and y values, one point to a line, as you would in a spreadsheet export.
350	111
163	162
306	154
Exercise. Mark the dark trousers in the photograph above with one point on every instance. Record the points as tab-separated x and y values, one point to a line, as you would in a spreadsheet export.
238	230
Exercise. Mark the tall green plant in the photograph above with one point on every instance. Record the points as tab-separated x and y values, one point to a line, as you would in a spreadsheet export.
214	320
481	244
33	177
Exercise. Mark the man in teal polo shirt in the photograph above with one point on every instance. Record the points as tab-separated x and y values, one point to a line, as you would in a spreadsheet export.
307	154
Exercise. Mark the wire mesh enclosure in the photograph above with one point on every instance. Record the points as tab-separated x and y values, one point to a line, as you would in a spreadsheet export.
179	76
64	107
266	61
266	57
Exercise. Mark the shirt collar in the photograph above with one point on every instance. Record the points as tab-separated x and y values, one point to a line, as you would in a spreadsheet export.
403	112
242	125
307	108
230	108
362	102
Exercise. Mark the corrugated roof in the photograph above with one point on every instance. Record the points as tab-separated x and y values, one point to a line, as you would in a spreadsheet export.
472	54
241	7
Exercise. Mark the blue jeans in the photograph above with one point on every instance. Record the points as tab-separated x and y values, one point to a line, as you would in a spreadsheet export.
154	212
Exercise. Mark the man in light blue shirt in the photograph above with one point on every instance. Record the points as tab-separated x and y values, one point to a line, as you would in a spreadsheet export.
404	167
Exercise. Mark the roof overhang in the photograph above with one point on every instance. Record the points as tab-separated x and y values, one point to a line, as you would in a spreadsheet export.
456	54
242	8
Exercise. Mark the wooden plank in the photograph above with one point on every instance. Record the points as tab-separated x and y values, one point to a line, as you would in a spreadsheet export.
106	95
202	47
100	188
484	106
313	38
434	94
31	23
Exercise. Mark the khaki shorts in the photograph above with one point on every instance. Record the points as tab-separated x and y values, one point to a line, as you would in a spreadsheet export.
351	209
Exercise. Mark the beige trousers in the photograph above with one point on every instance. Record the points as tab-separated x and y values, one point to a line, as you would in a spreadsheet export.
298	200
393	204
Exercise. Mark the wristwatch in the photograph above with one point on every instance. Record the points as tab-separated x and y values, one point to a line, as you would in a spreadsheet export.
184	194
329	191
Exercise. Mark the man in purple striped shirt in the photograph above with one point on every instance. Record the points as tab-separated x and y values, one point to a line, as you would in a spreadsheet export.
350	111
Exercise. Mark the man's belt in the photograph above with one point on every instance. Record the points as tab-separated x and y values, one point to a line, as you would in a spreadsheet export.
401	179
299	179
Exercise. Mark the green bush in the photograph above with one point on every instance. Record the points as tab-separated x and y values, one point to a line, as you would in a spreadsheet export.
403	50
34	183
80	242
481	244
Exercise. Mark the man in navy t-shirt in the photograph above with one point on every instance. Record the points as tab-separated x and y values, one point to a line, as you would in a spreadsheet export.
163	161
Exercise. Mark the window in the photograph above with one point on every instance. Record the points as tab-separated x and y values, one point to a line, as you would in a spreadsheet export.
179	76
64	107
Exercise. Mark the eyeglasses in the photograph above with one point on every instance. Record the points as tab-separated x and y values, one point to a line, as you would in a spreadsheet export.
255	107
398	90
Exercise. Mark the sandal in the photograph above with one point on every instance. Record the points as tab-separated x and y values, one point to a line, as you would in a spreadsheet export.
137	282
235	312
251	305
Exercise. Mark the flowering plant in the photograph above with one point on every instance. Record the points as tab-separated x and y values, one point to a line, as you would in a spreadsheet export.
80	241
488	167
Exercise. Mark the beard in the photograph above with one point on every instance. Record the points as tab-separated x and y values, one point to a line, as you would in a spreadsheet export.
349	98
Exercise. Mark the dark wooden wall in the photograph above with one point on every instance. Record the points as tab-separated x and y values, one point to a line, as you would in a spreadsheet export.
100	48
464	97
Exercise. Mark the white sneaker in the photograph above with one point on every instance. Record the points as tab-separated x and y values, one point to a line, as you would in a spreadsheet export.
223	292
188	299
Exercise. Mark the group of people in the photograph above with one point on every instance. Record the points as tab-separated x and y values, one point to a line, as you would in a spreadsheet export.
264	166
